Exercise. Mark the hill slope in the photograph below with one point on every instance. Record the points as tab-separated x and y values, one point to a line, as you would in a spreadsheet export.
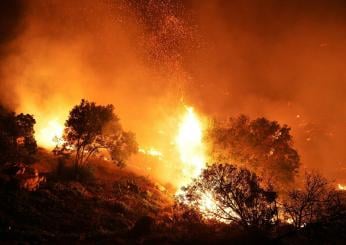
104	207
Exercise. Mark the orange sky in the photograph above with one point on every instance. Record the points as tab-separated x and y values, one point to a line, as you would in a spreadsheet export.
284	61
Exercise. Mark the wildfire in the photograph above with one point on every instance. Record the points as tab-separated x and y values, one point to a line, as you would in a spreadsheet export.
341	187
151	152
190	145
208	203
192	153
49	134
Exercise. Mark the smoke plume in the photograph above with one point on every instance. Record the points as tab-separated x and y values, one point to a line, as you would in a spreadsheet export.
281	60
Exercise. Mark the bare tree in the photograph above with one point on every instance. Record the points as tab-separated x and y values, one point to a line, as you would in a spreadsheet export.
315	202
237	196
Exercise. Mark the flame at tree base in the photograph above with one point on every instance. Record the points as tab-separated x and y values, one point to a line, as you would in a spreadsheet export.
192	151
50	133
188	141
341	187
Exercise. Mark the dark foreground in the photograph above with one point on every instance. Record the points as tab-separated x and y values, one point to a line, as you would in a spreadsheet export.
119	207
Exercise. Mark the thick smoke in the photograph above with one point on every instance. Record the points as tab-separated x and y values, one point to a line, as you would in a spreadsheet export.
281	60
110	51
11	24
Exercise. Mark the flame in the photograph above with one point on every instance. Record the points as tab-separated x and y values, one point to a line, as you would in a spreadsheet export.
341	187
190	145
151	152
192	153
208	203
49	134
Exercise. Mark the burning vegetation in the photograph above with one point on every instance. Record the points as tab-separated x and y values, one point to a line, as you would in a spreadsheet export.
184	164
237	194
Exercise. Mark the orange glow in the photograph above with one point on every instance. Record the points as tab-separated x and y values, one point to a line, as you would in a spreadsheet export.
208	203
189	142
143	62
151	152
48	134
50	119
192	151
341	187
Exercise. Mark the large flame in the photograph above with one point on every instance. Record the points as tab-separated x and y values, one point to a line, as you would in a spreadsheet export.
190	145
49	133
192	153
341	187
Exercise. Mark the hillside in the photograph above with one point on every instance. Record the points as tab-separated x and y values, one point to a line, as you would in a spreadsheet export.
104	205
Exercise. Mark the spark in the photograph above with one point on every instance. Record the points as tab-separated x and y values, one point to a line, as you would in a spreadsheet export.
151	152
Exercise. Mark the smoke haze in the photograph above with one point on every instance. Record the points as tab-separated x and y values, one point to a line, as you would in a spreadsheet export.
281	60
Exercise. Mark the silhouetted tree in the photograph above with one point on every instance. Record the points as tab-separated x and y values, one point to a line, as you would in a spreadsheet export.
236	195
260	145
91	128
315	202
17	142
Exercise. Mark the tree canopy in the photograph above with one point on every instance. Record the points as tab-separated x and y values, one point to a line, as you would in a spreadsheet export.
17	142
91	128
261	145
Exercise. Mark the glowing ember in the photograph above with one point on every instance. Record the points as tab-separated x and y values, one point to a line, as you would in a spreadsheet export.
48	136
341	187
151	152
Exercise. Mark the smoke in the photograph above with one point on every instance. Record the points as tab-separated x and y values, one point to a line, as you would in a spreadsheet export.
111	52
11	13
280	60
